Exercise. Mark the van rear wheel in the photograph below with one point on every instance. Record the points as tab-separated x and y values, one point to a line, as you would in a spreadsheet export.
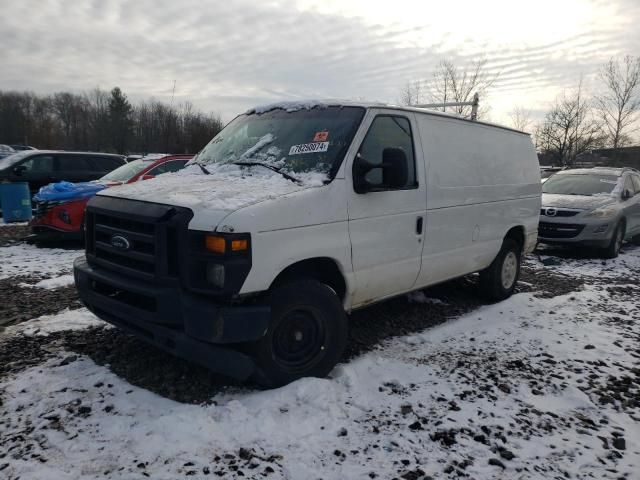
306	337
498	280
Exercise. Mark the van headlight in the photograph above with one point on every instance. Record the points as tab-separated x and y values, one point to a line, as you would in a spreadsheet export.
215	275
603	212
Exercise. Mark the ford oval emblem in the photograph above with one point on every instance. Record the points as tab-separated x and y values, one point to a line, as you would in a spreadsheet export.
120	242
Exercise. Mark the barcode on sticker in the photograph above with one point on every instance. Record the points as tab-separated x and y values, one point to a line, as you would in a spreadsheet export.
309	148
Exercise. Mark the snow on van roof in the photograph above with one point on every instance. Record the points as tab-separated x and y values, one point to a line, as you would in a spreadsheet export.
293	106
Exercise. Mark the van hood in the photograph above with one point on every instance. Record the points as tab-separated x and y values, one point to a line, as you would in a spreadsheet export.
581	202
223	191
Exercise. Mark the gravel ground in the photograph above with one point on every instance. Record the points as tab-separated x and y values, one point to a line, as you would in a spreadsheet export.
157	371
490	377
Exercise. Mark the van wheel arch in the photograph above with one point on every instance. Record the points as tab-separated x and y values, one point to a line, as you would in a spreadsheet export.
517	235
323	269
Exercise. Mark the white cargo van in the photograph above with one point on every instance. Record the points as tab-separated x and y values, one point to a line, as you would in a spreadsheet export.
248	260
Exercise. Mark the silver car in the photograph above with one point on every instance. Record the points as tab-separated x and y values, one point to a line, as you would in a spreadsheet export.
595	207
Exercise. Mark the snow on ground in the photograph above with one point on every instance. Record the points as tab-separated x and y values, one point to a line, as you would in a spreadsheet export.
29	260
52	283
14	224
626	265
519	389
65	320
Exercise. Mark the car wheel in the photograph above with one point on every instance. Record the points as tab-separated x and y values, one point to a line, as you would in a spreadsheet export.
306	337
636	240
613	249
498	281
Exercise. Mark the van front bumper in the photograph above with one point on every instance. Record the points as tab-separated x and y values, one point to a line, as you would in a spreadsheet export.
187	325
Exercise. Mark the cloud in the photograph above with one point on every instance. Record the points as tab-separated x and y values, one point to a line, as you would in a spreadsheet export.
228	56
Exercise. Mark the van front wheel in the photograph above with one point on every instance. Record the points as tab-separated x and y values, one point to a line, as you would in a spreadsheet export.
306	337
498	280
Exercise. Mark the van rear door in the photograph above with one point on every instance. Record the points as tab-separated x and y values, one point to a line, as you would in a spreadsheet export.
386	225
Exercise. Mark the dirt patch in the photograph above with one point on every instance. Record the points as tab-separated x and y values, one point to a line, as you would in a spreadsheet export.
12	234
20	303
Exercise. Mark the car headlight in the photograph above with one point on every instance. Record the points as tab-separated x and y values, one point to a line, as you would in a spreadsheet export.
603	212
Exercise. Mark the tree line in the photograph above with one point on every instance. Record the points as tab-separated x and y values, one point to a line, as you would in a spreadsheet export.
103	121
575	122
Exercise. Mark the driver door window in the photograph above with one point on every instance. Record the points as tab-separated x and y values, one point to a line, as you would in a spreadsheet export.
628	185
388	131
636	183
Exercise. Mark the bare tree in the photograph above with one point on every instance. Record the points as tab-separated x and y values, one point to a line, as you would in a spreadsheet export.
412	93
451	83
619	104
569	128
520	118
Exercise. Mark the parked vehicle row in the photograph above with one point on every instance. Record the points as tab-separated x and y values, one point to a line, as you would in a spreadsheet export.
294	215
41	167
59	213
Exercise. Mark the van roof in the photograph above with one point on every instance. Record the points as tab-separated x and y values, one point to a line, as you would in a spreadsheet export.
291	106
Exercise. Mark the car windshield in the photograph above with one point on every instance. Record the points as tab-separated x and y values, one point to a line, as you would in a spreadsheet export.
13	159
580	184
127	171
306	140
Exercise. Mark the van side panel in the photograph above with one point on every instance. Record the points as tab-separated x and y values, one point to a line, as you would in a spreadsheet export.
481	182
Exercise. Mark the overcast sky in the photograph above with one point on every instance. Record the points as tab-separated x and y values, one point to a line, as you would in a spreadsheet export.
227	56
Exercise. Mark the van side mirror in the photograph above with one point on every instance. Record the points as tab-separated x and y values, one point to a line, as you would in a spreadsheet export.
395	171
626	194
19	170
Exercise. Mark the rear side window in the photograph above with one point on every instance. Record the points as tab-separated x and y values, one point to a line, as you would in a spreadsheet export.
636	182
74	163
167	167
39	163
388	131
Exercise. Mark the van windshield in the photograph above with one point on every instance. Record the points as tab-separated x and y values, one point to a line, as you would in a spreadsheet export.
313	140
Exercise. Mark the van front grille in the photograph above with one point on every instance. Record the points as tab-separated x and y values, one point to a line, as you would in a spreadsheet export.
137	238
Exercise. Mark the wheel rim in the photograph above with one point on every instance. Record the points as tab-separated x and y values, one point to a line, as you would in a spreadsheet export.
298	340
509	270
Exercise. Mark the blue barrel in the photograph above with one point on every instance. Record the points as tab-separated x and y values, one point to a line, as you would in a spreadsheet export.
15	200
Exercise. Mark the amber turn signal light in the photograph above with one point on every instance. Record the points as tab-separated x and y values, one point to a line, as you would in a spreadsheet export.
215	244
239	245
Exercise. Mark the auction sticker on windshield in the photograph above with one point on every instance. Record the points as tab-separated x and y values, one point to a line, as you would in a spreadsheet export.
309	148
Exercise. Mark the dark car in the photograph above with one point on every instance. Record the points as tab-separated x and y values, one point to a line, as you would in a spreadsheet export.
41	167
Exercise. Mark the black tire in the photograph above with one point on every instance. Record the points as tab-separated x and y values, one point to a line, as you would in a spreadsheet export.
307	335
492	283
636	240
613	249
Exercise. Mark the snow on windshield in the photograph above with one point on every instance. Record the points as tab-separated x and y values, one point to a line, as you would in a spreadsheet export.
295	141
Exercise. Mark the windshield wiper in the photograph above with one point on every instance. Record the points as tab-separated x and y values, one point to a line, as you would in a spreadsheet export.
270	167
203	168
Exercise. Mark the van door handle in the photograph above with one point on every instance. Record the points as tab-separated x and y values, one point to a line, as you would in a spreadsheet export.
419	225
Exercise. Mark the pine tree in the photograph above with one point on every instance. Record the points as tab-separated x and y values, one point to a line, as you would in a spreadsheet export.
120	112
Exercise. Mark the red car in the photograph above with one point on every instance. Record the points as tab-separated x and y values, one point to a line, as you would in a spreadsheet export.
64	219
